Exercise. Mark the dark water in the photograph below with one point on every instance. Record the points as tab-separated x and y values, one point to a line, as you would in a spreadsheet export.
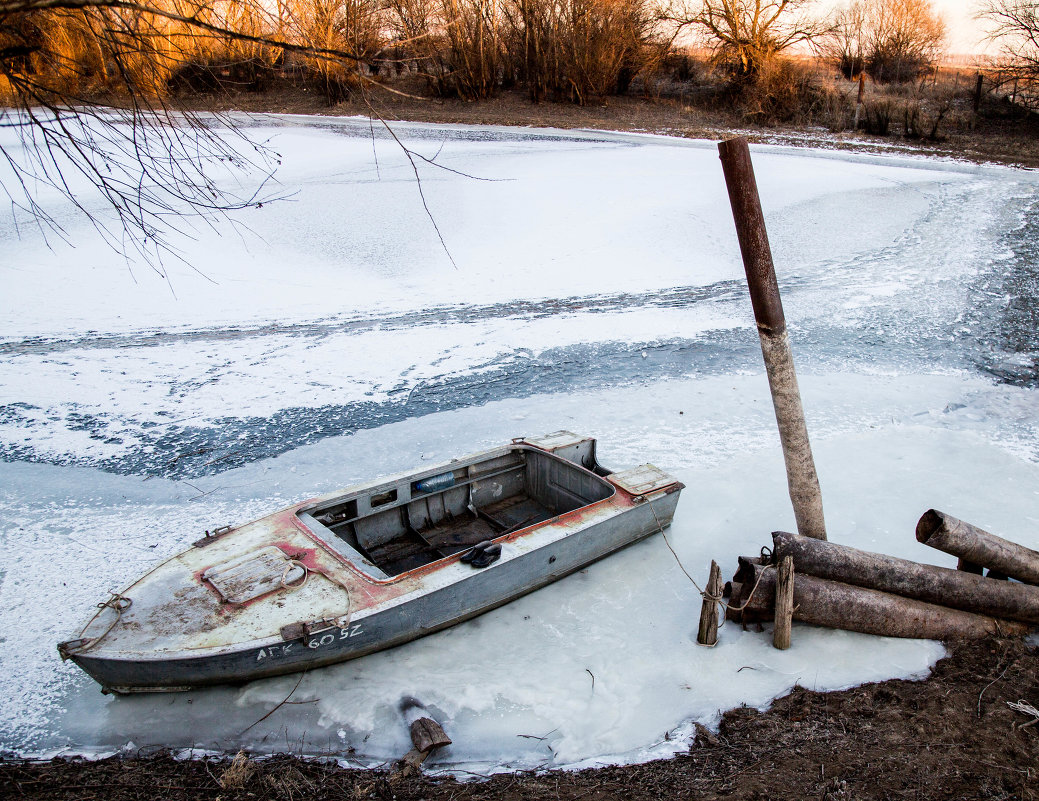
1005	309
990	326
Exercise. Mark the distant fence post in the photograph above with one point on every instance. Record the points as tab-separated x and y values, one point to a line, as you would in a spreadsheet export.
858	103
802	479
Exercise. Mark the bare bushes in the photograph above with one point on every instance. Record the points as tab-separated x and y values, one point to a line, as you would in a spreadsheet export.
783	91
568	50
576	49
86	53
350	26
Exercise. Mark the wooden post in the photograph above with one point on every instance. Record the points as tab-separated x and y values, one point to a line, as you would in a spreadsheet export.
946	533
858	103
802	479
936	585
707	634
784	603
977	92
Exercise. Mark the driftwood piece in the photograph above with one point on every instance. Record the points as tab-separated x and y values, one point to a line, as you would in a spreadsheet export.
784	602
844	606
946	533
426	736
707	633
936	585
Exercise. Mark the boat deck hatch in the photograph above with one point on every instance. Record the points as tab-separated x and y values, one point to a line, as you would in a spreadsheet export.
253	575
642	480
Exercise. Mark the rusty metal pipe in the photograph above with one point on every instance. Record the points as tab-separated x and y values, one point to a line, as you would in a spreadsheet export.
936	585
802	479
843	606
975	545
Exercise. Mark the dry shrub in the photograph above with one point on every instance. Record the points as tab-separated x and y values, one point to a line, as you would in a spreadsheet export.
90	53
458	46
351	26
782	91
877	116
238	772
474	32
577	49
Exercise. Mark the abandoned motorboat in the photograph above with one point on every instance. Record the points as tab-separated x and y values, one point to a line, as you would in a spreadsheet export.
364	569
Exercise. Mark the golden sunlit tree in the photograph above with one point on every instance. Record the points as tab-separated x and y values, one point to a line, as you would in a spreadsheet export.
747	35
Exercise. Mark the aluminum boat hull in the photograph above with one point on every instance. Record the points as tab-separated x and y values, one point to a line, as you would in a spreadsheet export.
183	628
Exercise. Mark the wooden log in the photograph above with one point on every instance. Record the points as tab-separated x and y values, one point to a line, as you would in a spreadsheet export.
844	606
707	634
747	603
946	533
937	585
802	480
426	733
969	567
784	603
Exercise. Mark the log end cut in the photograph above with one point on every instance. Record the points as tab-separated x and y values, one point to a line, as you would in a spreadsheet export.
929	522
426	734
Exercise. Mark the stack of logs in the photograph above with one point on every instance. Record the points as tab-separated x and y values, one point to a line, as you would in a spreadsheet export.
832	585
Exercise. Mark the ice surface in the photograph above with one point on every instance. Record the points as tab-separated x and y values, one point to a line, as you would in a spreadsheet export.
599	289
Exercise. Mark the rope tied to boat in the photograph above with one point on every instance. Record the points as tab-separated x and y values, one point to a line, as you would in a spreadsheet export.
719	600
285	574
117	602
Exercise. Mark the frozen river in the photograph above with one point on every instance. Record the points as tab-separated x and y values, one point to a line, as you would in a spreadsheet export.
327	339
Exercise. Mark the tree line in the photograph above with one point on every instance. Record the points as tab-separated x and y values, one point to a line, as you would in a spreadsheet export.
570	50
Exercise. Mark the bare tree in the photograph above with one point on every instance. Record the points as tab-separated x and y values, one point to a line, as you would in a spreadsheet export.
845	44
893	40
1015	27
905	38
747	34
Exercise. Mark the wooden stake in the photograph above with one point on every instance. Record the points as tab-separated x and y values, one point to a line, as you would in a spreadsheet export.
784	604
858	103
708	631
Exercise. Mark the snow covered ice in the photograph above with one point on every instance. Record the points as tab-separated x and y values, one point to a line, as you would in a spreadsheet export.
328	339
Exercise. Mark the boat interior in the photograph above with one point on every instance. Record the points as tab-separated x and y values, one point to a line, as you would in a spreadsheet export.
399	526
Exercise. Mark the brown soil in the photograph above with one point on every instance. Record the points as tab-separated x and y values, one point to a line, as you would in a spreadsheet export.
997	138
951	736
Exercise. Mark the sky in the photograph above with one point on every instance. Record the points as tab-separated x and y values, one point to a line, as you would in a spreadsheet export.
966	34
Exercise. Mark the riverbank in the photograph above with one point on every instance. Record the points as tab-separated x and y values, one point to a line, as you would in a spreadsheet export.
953	735
998	137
